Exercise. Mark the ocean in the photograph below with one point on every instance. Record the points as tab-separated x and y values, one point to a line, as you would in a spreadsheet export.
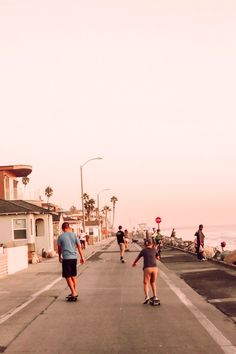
214	235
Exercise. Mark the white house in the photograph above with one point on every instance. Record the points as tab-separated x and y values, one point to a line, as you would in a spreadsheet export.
24	223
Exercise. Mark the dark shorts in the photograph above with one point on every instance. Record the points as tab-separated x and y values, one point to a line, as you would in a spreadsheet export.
69	268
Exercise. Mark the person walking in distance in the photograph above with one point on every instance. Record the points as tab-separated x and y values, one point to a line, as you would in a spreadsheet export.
200	237
172	237
82	239
68	243
126	232
150	256
121	242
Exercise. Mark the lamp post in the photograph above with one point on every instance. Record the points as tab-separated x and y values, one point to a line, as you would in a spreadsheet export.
82	187
99	228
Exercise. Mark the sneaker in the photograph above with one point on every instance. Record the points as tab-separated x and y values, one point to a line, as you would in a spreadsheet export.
146	300
122	261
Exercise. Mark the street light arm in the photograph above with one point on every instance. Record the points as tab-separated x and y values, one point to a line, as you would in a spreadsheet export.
103	190
94	158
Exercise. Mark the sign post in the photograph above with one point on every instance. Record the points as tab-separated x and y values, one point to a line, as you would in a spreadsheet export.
158	221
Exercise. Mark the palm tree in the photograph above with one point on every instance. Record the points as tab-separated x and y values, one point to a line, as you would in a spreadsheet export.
113	200
73	209
105	211
25	180
89	205
48	193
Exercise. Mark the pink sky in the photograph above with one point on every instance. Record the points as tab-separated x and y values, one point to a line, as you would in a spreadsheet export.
147	85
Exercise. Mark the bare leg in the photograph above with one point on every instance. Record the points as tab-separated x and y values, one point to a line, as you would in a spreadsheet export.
74	280
71	284
154	289
122	250
146	282
153	282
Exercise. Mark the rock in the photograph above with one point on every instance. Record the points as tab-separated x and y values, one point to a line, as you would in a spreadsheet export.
51	254
209	251
230	258
224	254
217	253
180	244
191	248
33	258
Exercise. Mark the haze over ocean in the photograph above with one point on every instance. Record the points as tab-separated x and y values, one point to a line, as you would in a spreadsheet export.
214	234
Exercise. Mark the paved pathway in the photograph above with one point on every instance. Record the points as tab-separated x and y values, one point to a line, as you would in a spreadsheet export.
213	280
109	316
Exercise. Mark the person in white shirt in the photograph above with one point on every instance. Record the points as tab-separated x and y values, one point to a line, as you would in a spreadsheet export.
82	238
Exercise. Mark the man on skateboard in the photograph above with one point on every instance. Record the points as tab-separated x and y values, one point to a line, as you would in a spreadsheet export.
121	242
68	243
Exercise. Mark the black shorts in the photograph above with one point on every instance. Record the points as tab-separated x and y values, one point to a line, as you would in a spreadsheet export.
69	268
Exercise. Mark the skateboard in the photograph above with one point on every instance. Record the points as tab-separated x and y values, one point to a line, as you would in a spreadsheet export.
70	298
154	302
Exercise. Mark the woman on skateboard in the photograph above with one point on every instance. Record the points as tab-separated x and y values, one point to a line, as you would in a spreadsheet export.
150	255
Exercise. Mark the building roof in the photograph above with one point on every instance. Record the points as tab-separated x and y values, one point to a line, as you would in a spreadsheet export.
56	217
14	207
91	223
71	220
17	170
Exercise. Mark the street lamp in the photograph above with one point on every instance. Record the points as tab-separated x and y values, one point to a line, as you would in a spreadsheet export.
99	229
82	187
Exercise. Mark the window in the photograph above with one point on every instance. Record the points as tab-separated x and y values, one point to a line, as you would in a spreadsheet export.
91	231
19	229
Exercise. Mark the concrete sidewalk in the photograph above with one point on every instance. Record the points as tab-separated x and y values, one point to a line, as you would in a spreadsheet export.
18	288
110	317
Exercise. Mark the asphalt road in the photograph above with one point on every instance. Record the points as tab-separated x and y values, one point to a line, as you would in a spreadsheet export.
109	316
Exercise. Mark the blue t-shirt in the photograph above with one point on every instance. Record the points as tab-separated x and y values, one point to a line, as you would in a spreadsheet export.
68	242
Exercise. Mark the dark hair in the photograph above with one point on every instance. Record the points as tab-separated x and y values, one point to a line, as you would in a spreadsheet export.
200	225
148	242
120	227
65	225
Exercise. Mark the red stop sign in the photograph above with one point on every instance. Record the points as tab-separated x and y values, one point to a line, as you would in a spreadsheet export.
158	220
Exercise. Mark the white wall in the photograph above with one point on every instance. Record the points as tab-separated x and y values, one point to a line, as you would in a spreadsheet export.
5	229
95	230
46	240
17	258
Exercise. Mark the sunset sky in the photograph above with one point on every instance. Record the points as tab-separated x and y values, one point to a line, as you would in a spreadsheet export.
149	86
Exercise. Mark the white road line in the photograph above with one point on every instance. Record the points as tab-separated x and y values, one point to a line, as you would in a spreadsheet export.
12	312
197	270
217	336
227	299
